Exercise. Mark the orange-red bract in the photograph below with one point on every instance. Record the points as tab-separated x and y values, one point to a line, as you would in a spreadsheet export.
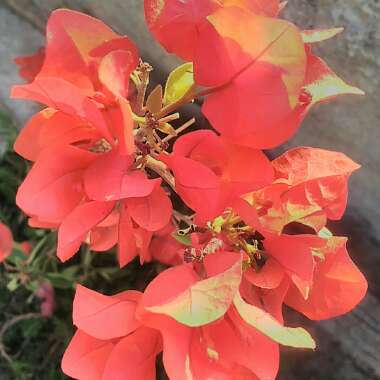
196	184
126	351
118	180
255	68
92	311
176	24
338	285
30	65
246	56
49	128
310	186
57	93
78	224
195	346
323	281
54	187
75	43
6	242
240	169
153	212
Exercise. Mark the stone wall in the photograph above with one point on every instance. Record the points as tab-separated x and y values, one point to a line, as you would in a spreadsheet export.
348	346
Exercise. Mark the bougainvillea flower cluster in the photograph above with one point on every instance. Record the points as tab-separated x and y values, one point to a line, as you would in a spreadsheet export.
239	234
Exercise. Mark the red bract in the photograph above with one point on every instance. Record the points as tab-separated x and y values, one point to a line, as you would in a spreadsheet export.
177	24
6	242
195	342
83	60
338	285
261	74
30	65
84	151
222	170
126	350
119	179
54	185
260	60
312	274
240	170
197	185
76	45
165	248
140	211
310	186
49	128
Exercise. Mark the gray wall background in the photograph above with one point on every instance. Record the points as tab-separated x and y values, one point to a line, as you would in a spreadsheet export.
349	346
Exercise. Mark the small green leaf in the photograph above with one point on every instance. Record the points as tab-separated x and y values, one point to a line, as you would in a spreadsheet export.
217	224
59	281
269	326
70	272
17	256
182	238
13	284
180	81
167	129
8	132
325	233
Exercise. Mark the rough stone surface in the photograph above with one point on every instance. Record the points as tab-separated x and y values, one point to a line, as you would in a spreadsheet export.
124	16
17	37
348	347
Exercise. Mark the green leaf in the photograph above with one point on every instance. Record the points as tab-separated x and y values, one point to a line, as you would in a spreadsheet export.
184	239
217	224
180	81
325	233
206	300
269	326
17	256
70	272
13	284
59	281
8	132
167	129
108	273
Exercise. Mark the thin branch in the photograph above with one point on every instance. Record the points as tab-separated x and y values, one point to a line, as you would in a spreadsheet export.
7	325
162	170
179	130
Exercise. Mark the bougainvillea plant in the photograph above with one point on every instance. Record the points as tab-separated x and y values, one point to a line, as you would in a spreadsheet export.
239	235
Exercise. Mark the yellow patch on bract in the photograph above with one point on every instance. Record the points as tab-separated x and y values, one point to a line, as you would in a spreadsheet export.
270	40
212	354
156	8
189	375
330	86
85	41
319	35
269	326
205	301
325	233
